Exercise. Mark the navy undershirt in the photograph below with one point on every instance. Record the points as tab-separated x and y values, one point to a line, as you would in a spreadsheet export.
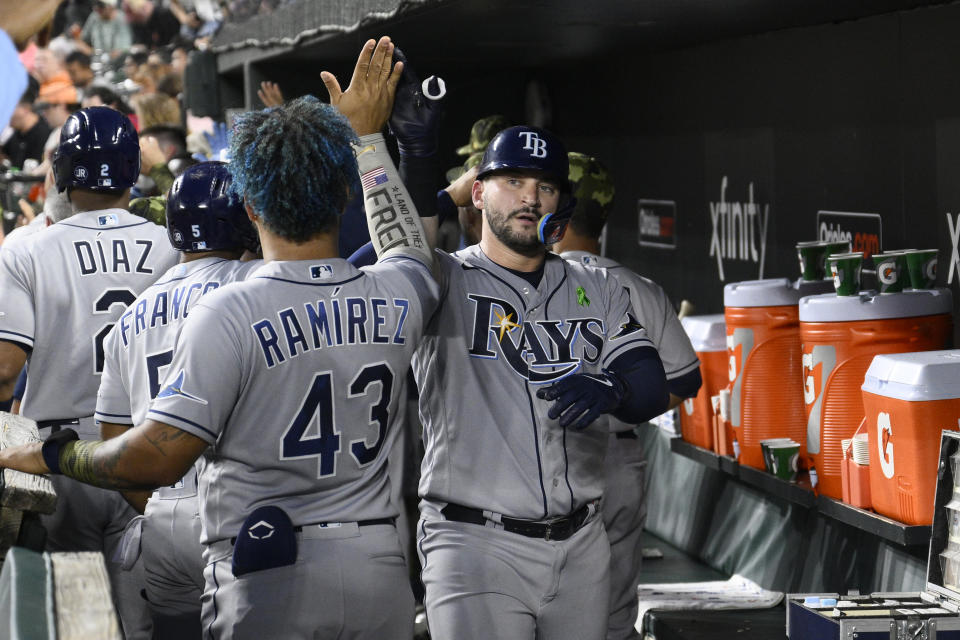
533	277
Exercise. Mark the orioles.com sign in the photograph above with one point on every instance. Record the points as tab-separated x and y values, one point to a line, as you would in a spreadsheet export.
862	230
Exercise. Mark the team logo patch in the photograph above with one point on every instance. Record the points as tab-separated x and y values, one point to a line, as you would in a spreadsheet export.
176	389
321	271
80	173
373	177
108	220
628	327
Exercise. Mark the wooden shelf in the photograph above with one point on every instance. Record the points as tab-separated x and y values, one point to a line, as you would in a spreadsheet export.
801	493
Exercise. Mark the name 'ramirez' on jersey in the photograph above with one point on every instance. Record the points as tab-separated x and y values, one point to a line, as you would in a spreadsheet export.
62	290
309	359
495	338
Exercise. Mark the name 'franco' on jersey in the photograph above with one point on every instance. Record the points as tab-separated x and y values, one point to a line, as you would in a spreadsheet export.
490	444
62	289
139	349
295	376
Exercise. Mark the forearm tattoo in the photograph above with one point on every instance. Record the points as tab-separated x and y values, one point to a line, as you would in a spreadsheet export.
78	460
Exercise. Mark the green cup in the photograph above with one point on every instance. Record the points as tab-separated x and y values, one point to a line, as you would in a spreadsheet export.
845	268
785	460
922	267
837	247
812	255
891	271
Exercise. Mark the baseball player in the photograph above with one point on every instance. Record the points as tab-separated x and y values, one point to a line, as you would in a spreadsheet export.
293	376
518	369
624	509
61	291
210	228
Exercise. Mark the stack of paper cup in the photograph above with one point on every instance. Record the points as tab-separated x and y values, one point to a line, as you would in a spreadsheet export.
861	449
845	446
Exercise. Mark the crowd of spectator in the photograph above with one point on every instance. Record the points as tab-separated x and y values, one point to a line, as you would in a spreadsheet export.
127	54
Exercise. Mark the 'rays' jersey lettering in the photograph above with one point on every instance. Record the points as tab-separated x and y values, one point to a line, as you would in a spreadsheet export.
494	340
61	291
139	349
291	421
330	323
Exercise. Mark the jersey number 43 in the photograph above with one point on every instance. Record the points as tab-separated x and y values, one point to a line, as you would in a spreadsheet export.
318	402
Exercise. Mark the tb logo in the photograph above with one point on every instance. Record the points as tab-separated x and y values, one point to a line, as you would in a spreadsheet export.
533	143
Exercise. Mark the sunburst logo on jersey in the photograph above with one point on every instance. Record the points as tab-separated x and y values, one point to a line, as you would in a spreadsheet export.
505	322
175	388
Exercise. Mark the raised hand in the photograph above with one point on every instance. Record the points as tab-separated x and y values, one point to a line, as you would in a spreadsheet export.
270	94
368	100
416	111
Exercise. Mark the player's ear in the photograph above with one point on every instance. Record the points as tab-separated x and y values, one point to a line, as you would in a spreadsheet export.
250	213
476	194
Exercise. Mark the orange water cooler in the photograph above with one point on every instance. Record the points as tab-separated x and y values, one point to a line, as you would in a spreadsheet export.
709	339
908	399
763	351
841	335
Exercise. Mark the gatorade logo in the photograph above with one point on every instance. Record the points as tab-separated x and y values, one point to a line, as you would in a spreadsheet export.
884	434
930	269
817	364
533	143
887	273
739	346
688	406
836	276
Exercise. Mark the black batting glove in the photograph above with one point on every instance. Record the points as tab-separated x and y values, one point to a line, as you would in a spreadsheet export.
582	397
416	111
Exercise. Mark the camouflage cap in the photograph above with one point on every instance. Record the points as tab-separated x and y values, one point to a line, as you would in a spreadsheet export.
592	186
472	160
482	133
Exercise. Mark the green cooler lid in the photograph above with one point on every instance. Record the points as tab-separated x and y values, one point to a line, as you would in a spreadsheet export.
706	333
869	305
772	292
917	377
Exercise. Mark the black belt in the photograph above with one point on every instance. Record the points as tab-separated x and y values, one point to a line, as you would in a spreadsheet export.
559	529
55	425
626	435
360	523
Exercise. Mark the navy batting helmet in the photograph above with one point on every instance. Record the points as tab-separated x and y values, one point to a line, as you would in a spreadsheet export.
202	213
99	150
533	149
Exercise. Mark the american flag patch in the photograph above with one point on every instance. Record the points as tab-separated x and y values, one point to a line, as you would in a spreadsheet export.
373	177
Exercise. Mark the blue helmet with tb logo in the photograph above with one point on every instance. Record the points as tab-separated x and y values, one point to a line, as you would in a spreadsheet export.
202	214
532	149
99	151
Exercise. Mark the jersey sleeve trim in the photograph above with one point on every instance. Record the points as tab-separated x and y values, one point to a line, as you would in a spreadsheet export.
18	338
642	342
395	257
189	426
309	284
116	418
685	369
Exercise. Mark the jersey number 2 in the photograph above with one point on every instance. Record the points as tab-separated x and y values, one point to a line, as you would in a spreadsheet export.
325	445
107	299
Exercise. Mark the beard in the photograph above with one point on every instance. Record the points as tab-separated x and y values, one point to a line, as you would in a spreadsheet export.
522	243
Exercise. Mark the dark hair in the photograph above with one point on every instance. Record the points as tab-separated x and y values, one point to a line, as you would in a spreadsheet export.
167	135
294	165
78	56
108	97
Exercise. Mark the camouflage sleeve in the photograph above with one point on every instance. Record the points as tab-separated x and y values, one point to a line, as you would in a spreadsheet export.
153	209
162	176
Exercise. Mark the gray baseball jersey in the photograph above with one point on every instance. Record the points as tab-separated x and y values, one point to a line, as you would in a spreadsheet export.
653	310
295	376
489	443
62	290
139	349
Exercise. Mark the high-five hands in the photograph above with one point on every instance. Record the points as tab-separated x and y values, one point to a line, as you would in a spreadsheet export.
368	100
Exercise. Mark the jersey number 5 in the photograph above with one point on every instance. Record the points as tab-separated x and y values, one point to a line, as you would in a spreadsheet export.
325	445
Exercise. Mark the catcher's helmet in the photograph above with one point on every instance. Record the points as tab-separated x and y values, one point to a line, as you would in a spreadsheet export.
533	149
202	214
99	151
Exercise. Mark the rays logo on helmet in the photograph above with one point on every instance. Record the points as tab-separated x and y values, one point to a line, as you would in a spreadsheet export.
80	173
175	388
628	327
533	143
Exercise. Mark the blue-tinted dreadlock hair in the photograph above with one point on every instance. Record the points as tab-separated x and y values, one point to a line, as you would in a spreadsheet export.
295	166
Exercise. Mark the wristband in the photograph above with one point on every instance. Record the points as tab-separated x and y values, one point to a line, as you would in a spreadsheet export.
53	444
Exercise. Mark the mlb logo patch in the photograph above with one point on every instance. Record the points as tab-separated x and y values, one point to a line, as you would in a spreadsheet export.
108	220
373	177
589	260
199	246
104	182
321	272
80	173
